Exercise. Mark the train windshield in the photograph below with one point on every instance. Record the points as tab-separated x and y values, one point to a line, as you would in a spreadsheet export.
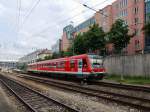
96	61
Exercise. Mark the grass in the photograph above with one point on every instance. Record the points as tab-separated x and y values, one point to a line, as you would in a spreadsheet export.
129	80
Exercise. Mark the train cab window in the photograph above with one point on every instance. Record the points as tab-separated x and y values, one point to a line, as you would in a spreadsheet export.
96	61
63	64
72	64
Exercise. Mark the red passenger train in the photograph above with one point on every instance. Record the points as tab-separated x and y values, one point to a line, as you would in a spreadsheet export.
80	66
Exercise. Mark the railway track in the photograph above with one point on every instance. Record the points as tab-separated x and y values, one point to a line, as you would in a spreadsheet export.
34	100
113	85
123	86
132	101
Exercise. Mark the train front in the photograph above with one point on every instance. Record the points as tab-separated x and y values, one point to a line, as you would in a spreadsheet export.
97	67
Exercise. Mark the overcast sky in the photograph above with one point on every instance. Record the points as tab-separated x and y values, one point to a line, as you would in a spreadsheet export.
26	25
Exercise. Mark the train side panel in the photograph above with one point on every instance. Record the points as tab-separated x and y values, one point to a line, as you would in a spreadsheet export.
78	66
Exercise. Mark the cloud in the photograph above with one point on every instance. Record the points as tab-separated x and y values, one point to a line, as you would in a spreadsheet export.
2	9
42	28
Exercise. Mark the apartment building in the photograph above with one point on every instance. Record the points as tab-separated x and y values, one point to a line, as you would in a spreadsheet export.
131	11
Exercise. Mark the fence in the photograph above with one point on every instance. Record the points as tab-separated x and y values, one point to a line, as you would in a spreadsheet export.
134	65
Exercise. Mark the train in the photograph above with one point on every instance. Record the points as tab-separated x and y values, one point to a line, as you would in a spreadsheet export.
83	66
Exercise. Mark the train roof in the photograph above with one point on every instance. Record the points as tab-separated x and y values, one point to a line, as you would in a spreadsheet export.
64	59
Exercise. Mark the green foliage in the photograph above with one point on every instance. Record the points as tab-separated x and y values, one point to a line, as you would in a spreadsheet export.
39	60
119	35
57	55
128	79
47	57
78	45
89	41
67	53
94	38
146	28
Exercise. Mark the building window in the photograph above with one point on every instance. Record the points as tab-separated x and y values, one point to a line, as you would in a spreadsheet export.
137	32
136	10
117	6
136	20
136	1
137	44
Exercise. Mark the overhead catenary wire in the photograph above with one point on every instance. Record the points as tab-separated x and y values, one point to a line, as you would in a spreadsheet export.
30	12
65	13
61	22
18	14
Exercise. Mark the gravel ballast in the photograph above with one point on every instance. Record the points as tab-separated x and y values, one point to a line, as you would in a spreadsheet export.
79	101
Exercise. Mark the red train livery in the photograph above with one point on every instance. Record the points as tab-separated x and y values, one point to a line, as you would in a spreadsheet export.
81	66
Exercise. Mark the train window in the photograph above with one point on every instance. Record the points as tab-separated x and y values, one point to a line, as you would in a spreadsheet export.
72	64
54	65
58	65
80	63
63	64
50	65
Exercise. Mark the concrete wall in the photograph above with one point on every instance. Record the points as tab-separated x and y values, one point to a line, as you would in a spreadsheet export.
135	65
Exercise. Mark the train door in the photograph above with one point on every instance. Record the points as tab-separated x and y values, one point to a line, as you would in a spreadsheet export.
80	65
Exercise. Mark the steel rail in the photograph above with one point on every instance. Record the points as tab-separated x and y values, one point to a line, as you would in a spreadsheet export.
18	97
27	100
117	85
118	98
123	86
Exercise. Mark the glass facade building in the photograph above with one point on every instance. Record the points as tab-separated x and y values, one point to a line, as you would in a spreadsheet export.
85	24
69	30
147	17
147	10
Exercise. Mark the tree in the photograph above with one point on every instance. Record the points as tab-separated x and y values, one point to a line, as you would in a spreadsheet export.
146	28
78	45
67	53
95	38
90	41
56	55
39	60
47	57
119	35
